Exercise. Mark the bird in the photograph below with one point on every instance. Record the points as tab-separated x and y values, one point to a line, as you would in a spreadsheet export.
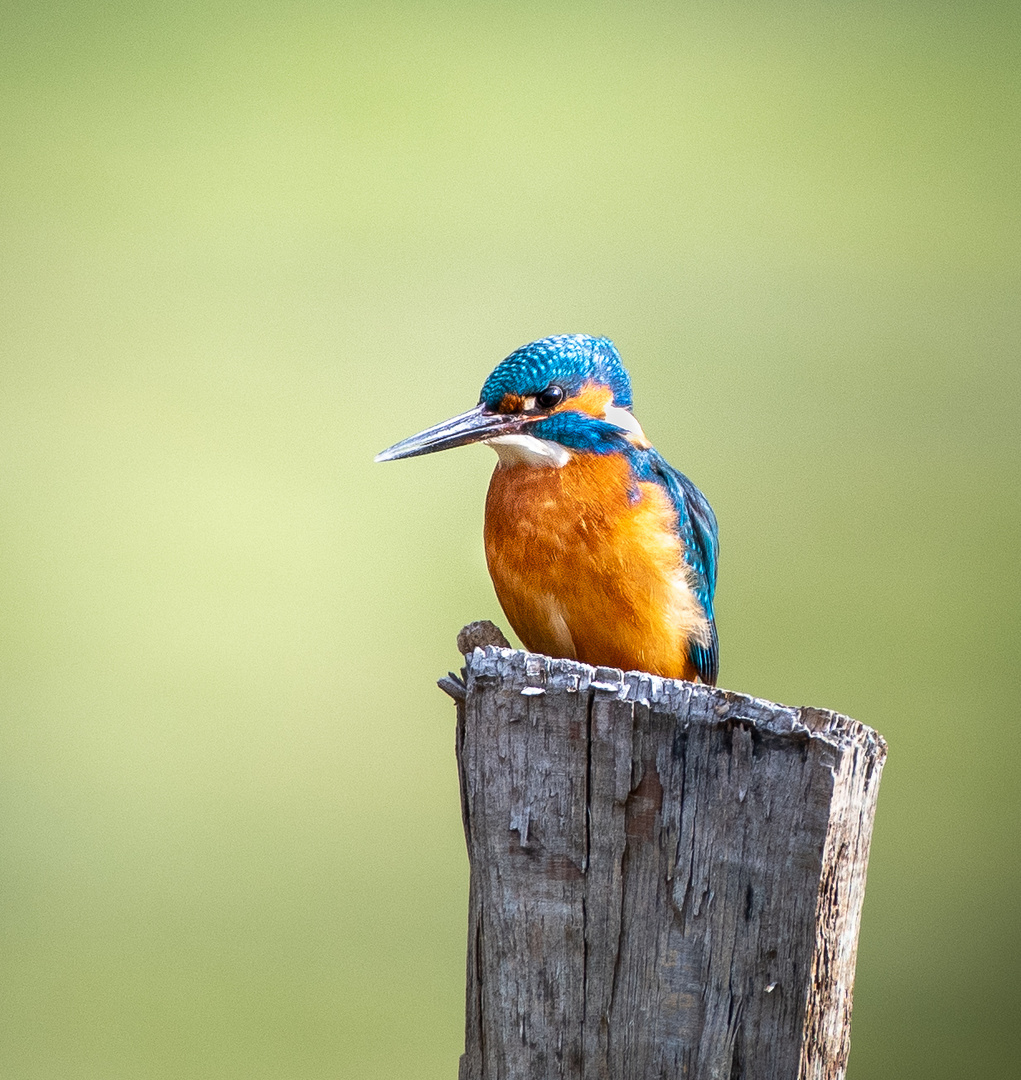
598	549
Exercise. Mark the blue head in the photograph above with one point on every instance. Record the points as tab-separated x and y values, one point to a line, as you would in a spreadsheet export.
571	391
567	361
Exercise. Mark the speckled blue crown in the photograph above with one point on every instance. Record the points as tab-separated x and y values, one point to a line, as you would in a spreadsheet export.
570	360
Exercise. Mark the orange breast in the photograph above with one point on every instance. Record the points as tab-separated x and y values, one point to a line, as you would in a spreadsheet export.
583	572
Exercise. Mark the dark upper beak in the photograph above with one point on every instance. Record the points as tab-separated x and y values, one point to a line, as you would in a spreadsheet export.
474	426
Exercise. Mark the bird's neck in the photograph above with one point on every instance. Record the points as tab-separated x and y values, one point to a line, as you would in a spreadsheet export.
573	432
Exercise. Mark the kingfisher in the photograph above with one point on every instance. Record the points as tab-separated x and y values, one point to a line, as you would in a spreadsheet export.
598	549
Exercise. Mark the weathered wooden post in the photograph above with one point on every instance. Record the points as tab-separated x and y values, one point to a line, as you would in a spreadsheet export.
666	878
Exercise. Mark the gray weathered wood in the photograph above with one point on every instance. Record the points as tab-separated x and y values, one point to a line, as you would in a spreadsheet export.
666	878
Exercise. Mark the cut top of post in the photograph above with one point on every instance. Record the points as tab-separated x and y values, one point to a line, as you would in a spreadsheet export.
532	675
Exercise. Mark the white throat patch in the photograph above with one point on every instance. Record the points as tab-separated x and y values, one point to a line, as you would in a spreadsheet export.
528	450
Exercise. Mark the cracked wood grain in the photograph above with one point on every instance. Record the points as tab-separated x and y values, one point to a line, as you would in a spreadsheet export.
666	878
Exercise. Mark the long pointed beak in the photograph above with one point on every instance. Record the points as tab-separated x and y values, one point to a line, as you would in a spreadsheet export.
474	426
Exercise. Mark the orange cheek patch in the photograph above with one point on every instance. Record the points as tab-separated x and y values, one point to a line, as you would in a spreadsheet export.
591	399
510	403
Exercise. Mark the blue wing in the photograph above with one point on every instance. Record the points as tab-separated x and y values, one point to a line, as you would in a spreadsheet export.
699	533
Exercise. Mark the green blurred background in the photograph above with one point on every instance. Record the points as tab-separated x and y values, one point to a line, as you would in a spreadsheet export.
244	247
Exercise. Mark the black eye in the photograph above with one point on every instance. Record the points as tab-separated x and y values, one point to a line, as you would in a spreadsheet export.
549	397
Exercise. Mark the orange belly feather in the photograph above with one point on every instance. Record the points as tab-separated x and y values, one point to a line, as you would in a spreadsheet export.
583	573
